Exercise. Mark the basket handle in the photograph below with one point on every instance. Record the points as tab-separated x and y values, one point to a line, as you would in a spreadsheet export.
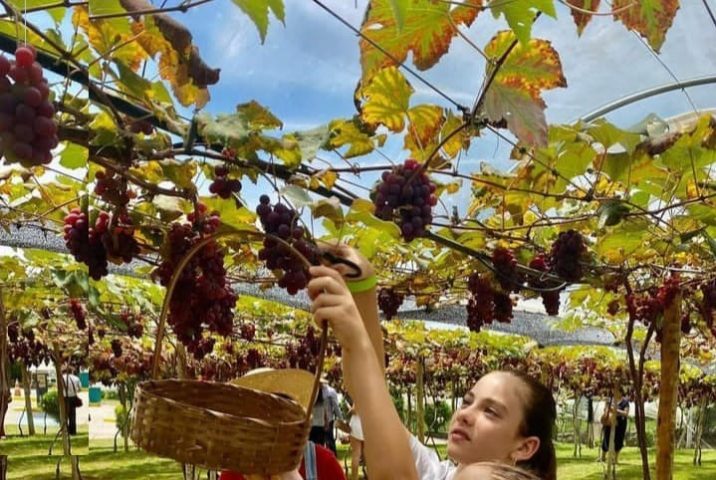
175	278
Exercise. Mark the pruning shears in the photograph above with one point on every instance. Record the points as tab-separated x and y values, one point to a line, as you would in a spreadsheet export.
332	259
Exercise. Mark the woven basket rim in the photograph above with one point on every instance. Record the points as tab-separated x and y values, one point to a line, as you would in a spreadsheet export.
217	413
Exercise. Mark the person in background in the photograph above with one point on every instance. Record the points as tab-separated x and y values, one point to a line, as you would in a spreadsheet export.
319	420
356	439
334	413
620	427
71	391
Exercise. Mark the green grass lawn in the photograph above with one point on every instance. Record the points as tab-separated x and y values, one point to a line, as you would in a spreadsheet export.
103	464
16	446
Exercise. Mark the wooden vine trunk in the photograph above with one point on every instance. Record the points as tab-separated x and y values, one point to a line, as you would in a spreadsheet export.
666	424
28	399
4	359
420	400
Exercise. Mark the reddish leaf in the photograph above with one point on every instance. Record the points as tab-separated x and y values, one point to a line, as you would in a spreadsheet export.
651	18
581	18
515	94
427	30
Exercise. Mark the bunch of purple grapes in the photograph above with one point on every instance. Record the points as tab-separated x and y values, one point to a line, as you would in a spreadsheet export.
486	303
566	254
281	221
202	299
78	313
550	299
27	127
389	302
222	185
406	195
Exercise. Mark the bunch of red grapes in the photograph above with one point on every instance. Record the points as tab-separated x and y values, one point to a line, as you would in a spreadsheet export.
282	221
222	185
709	303
389	302
28	131
565	255
78	313
133	322
406	195
486	303
649	306
25	347
202	298
550	299
505	266
112	188
109	238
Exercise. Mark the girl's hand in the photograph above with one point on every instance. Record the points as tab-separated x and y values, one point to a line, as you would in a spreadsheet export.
332	302
349	253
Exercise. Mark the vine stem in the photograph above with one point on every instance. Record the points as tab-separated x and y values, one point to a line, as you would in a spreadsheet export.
61	4
183	8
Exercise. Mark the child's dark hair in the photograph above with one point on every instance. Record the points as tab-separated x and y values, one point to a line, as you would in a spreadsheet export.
539	417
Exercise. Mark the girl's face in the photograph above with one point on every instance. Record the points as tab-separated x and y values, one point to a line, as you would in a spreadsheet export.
486	427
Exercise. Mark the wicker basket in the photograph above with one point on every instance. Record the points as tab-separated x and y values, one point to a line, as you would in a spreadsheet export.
216	425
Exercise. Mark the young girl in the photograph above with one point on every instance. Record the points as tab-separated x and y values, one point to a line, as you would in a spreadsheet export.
506	417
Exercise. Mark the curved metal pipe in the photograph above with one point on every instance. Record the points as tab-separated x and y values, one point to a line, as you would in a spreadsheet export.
651	92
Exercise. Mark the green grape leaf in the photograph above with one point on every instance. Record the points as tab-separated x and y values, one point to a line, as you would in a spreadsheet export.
258	12
520	14
74	156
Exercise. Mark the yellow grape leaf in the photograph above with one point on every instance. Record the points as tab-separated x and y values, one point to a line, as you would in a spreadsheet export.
425	122
515	93
174	66
347	132
427	29
651	18
106	34
582	18
388	96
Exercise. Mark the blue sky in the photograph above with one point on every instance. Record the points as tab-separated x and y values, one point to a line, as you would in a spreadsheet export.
306	71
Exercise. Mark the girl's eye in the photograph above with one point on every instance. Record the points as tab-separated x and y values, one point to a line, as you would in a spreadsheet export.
466	402
491	412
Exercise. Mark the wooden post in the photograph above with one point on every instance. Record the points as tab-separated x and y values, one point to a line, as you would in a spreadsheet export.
4	360
700	431
577	423
666	428
420	399
28	398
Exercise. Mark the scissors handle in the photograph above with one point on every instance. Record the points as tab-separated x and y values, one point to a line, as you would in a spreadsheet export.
333	259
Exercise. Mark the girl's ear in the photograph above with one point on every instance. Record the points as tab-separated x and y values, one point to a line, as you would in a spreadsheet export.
526	449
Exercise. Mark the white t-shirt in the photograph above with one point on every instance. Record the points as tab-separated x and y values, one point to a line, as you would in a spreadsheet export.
428	465
72	385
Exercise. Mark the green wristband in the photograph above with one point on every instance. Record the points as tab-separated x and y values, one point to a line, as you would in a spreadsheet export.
360	286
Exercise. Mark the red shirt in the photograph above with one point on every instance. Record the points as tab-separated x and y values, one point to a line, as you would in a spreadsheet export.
326	464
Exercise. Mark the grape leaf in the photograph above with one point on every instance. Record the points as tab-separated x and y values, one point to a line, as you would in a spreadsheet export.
427	31
520	14
400	10
582	18
258	12
388	96
515	94
240	130
348	132
57	13
105	34
74	156
651	18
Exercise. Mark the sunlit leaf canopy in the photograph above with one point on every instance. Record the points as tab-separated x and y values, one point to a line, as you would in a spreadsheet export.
496	112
